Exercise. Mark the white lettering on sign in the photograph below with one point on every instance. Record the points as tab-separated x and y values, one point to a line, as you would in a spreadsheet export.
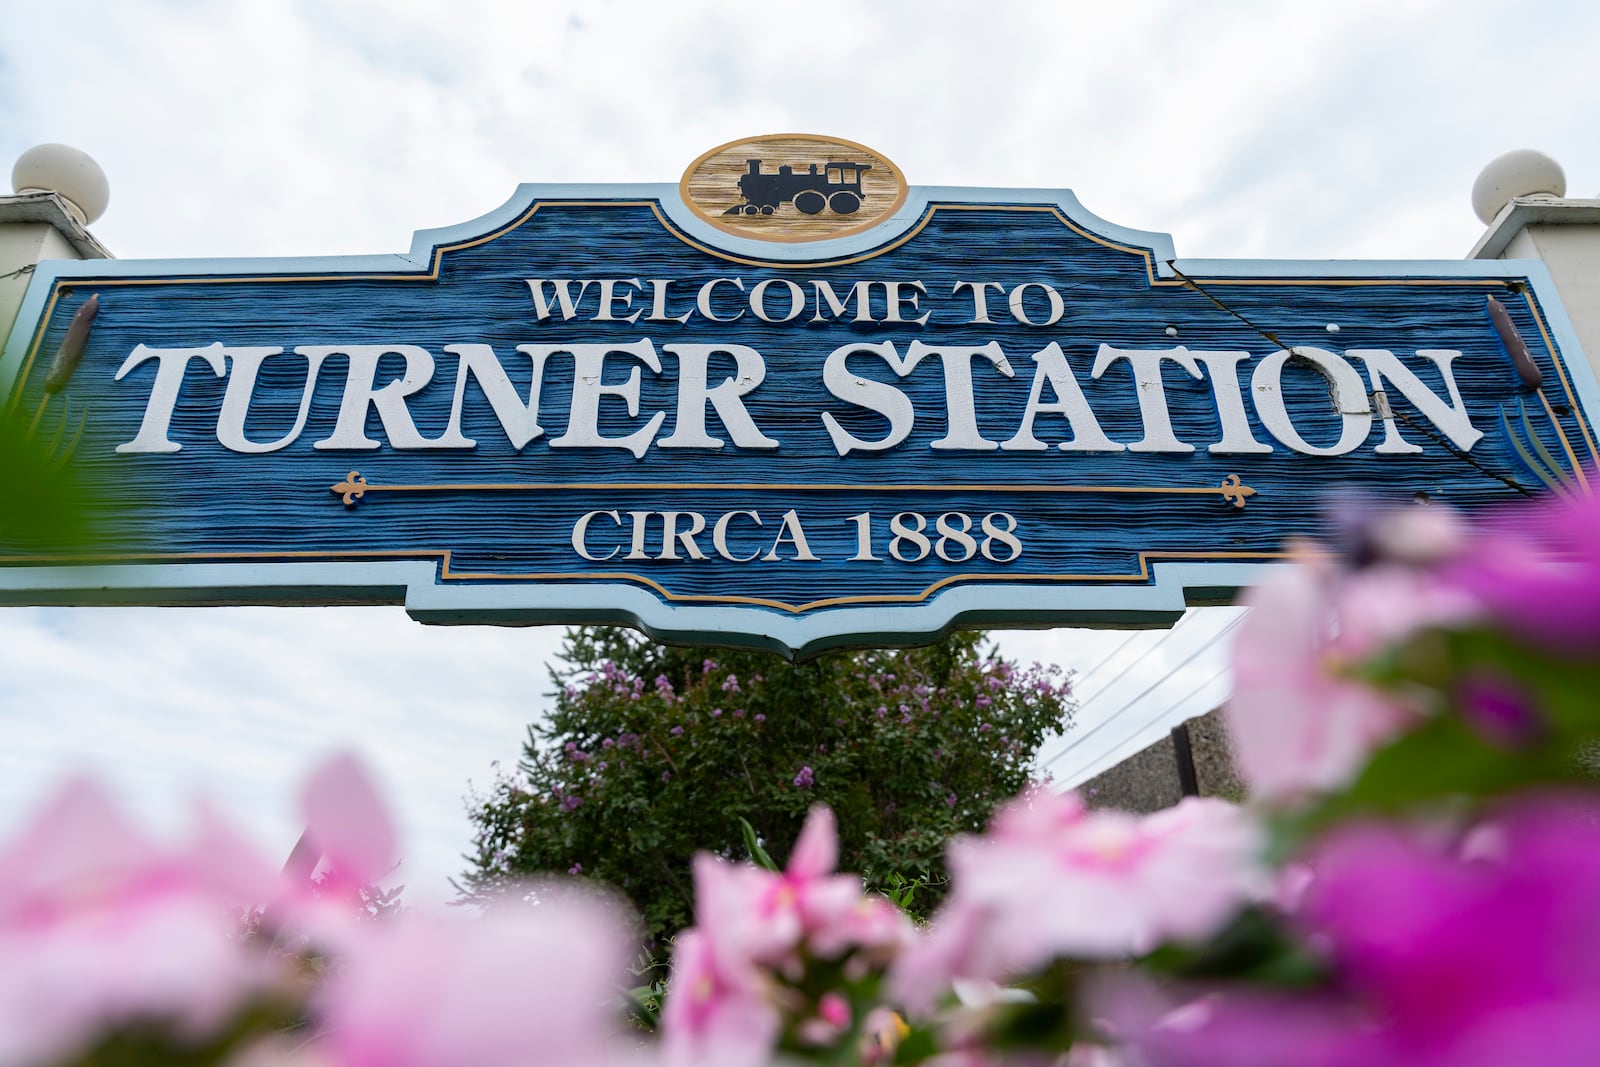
1056	372
604	300
693	396
902	537
1058	410
588	387
245	365
362	393
170	368
674	535
1344	389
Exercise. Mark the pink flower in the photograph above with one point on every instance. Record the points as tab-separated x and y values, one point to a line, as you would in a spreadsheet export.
102	926
1054	880
750	921
714	1013
764	917
524	985
832	1017
1298	725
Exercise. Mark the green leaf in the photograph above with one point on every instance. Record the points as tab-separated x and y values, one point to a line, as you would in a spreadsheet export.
1253	947
753	845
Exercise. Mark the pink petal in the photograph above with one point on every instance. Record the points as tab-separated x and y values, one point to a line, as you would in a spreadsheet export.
348	822
816	853
79	842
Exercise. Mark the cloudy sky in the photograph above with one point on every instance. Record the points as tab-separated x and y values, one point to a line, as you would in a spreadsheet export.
1307	130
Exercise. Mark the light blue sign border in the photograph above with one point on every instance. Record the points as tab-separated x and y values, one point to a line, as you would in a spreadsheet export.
1173	585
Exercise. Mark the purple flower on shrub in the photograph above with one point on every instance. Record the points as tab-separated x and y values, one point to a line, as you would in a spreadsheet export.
666	776
675	731
805	779
576	868
760	717
716	713
571	803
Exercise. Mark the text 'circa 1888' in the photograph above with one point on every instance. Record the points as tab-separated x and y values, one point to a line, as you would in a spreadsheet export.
790	402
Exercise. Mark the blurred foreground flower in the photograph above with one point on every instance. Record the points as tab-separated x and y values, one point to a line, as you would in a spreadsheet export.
1412	883
104	928
1468	952
118	948
1052	880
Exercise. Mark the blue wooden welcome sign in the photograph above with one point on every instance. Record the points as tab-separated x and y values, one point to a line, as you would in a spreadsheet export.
789	402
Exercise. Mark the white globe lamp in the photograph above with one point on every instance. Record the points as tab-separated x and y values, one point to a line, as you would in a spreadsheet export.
1516	174
68	172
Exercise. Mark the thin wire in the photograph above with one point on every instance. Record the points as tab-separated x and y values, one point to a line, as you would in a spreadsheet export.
1190	658
1174	706
1157	643
1107	658
1163	680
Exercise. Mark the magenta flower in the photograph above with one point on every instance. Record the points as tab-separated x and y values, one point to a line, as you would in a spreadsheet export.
1499	709
1538	571
805	779
1474	956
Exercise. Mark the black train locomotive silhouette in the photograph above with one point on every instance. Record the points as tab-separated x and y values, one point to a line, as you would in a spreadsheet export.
836	186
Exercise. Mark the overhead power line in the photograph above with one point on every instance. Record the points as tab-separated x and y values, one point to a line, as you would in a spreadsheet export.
1190	658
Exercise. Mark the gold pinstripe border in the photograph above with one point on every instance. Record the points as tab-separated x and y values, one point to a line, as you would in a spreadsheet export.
447	573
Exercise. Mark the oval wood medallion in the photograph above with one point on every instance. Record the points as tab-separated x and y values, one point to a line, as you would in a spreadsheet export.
793	187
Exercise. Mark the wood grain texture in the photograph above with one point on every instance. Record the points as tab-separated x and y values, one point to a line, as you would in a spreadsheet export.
205	502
